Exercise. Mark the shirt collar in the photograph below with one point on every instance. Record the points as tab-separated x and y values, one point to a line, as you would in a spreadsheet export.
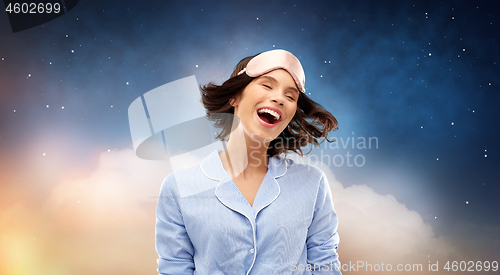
229	195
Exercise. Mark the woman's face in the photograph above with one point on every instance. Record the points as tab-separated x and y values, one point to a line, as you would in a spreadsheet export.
267	105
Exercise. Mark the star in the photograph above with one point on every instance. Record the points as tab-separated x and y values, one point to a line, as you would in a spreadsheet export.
452	123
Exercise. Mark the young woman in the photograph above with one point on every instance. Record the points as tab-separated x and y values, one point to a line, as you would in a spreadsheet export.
246	210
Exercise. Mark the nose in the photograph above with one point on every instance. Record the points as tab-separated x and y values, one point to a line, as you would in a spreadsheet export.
280	102
278	99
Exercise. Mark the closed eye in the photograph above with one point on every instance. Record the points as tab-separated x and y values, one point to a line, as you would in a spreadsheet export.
291	97
267	86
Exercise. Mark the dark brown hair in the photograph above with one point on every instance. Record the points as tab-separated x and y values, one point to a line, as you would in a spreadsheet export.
310	122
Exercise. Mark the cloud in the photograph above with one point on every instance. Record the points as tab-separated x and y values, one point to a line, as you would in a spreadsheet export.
99	224
375	228
104	223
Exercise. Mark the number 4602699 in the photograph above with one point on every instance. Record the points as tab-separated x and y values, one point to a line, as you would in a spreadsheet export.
471	266
33	8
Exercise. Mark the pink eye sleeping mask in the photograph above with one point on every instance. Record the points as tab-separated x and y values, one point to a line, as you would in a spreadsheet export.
276	59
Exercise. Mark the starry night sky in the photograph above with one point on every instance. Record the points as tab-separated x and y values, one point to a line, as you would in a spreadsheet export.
421	76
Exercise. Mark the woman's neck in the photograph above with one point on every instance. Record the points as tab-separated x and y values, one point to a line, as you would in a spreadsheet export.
244	156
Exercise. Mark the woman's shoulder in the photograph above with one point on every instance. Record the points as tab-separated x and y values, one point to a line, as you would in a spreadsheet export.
194	179
302	178
183	176
185	173
296	166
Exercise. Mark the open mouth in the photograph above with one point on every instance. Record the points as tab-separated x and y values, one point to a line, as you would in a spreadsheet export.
268	116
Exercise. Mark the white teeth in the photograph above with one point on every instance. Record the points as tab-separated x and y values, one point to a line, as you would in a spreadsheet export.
264	110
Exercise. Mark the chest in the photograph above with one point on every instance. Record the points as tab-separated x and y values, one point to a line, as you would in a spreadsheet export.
277	225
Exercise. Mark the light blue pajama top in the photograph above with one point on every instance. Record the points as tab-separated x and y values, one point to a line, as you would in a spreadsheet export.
204	225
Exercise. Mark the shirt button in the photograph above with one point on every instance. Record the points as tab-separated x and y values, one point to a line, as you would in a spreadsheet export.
252	251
